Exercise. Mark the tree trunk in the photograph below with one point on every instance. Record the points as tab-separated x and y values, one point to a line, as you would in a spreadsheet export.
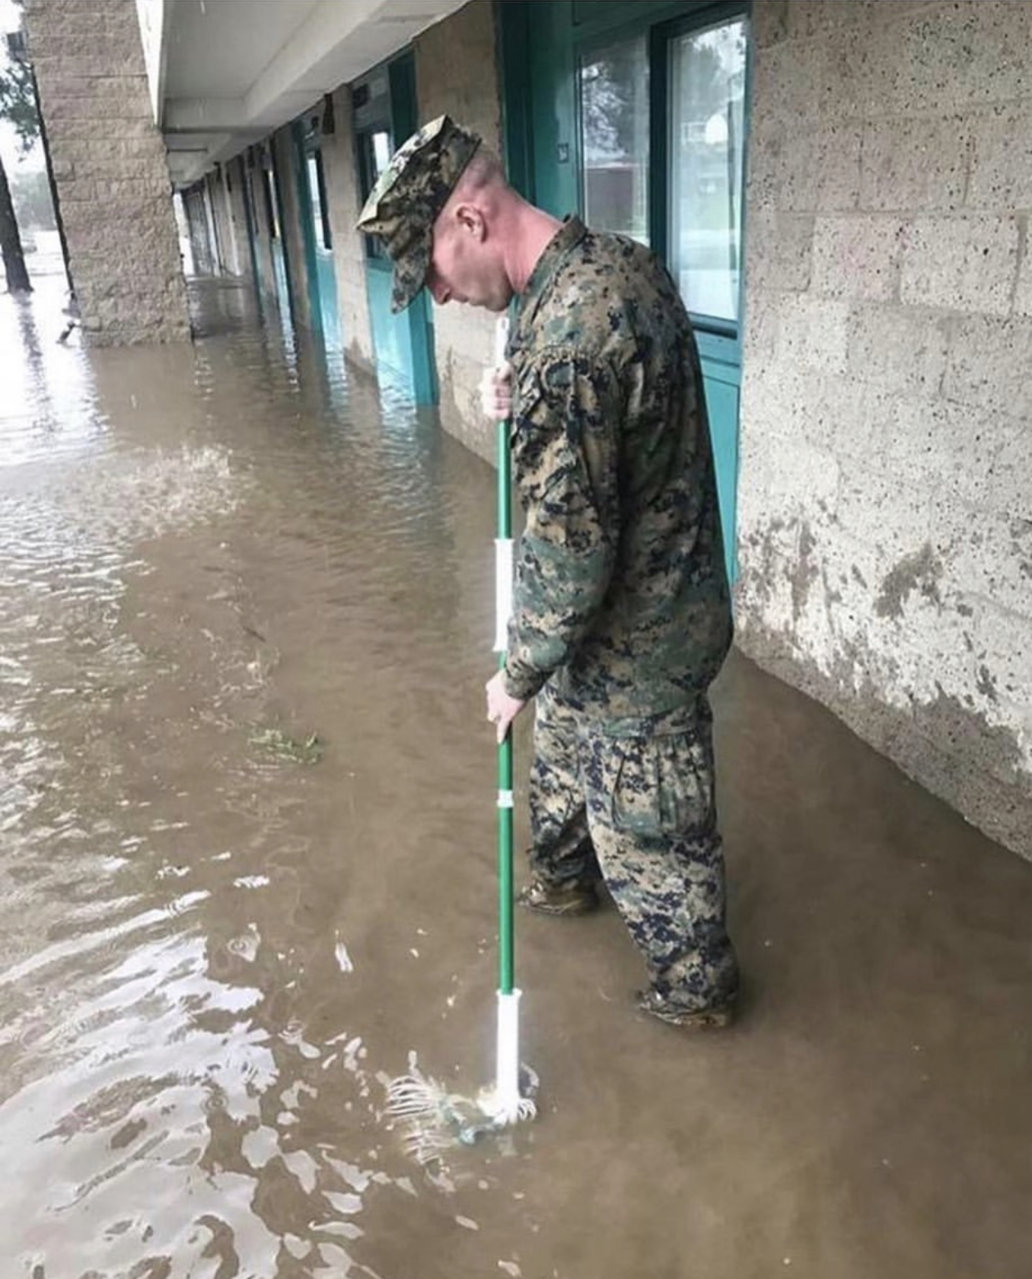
10	241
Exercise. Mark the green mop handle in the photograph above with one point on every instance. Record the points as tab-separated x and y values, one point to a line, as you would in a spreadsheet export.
506	960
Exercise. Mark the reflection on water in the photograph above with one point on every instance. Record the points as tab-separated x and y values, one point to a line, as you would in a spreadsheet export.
184	1070
213	954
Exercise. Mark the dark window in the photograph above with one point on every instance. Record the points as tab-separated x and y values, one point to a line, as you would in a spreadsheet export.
320	205
374	154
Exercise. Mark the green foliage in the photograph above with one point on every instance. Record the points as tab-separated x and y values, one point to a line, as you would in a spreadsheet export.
18	101
281	745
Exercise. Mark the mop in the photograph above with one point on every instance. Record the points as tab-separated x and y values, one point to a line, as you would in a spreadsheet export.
438	1119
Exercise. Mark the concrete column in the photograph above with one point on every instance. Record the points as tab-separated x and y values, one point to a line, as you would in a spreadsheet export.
282	143
110	168
464	336
224	222
343	196
233	177
256	177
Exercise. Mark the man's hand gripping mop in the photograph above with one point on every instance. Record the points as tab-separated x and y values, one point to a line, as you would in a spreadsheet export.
438	1119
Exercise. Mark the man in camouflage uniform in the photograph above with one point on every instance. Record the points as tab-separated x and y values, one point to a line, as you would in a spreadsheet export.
621	611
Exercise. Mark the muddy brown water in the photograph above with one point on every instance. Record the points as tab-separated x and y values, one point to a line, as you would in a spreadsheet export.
212	954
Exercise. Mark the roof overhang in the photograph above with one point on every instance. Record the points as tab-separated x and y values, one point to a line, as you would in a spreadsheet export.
225	73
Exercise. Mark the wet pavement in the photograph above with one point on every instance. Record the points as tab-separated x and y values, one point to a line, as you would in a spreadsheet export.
219	937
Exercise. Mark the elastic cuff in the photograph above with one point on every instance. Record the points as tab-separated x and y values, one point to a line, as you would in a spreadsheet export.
523	686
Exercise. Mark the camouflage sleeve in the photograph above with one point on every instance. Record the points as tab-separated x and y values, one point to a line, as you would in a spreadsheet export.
564	449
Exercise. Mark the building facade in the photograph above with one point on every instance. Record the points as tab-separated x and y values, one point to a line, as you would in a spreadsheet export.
841	190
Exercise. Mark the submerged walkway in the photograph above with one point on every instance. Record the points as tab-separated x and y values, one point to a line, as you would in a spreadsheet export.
246	867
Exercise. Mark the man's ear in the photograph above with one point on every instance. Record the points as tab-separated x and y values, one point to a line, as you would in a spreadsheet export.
471	220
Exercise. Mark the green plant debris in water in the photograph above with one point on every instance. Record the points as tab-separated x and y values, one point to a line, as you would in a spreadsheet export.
281	745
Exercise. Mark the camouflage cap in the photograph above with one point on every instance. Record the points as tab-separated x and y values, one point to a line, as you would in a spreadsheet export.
409	195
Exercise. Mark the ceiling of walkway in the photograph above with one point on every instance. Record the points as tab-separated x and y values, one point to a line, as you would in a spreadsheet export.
224	73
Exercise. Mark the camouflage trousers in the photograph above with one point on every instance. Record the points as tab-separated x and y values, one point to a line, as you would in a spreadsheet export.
633	802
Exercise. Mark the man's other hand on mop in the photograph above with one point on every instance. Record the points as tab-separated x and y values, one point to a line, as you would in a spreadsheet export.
496	392
501	708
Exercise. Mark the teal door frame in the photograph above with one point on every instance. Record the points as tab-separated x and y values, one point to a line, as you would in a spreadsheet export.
541	48
384	101
320	268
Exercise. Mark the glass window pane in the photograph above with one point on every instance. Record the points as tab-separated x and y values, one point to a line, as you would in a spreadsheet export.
707	81
614	108
381	151
314	196
271	210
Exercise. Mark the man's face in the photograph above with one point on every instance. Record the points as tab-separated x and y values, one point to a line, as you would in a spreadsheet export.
465	264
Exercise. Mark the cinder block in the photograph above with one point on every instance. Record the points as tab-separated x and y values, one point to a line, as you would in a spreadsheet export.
778	249
961	263
852	18
791	477
913	165
813	332
93	101
944	445
1009	477
896	519
857	257
993	558
769	22
1001	161
802	164
850	417
1003	645
853	68
954	56
778	88
808	19
759	330
1023	292
901	349
776	402
989	362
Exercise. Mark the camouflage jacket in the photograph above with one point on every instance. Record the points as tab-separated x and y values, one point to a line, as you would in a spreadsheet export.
620	590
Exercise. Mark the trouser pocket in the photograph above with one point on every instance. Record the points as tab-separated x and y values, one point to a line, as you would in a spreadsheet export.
662	783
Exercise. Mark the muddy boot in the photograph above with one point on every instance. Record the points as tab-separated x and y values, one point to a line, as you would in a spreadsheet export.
577	898
656	1005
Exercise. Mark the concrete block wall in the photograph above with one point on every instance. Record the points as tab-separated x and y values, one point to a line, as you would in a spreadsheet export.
885	496
463	335
109	156
340	169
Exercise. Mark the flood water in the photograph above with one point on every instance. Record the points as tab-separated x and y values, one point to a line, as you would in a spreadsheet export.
219	937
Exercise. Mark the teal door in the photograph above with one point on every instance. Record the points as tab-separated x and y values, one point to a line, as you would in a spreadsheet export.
385	114
635	114
315	226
